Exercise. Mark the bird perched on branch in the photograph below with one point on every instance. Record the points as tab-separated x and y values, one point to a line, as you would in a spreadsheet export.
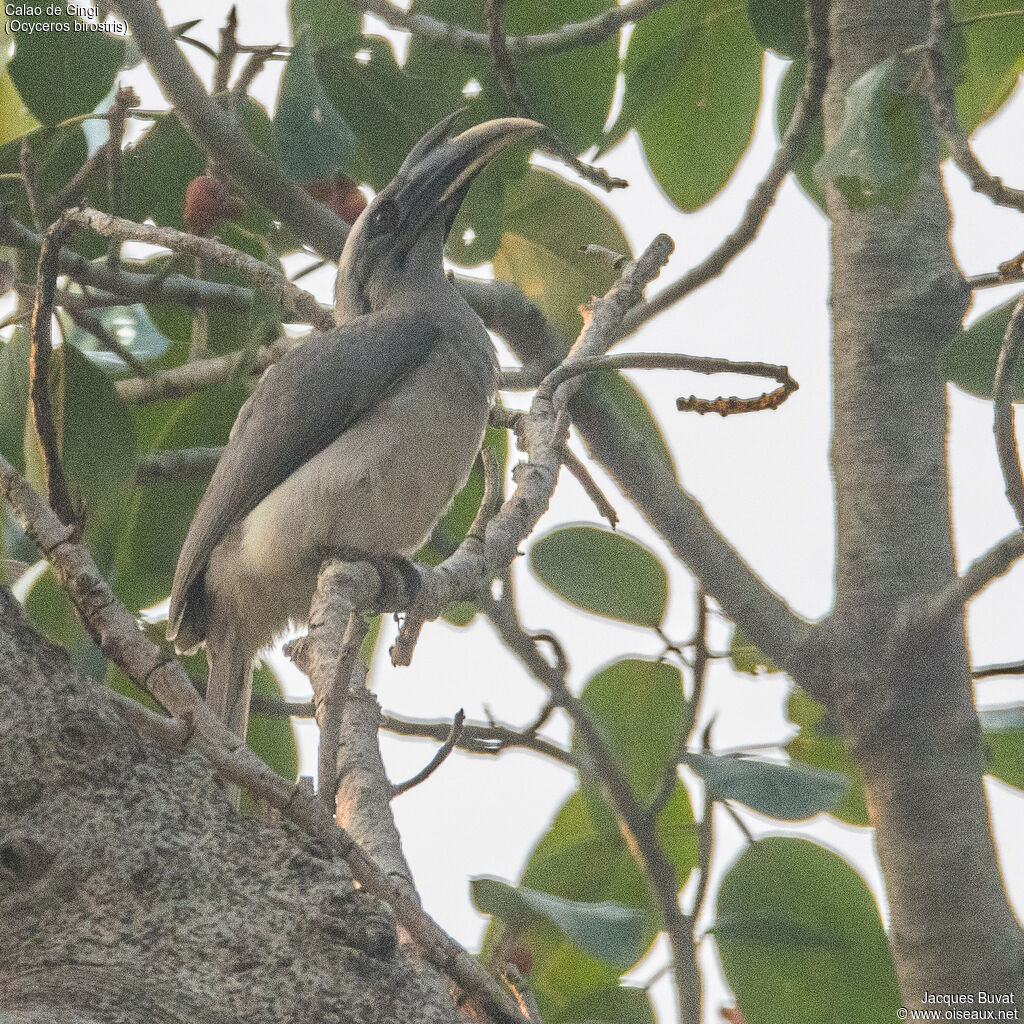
355	443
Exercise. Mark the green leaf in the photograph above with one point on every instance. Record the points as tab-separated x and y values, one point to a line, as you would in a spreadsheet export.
990	59
60	74
157	172
14	396
157	517
327	22
789	792
15	120
638	707
607	931
545	222
820	745
969	360
52	613
583	857
801	940
1003	741
779	25
386	108
570	91
97	444
602	572
313	140
56	155
621	1004
875	157
746	657
789	89
693	85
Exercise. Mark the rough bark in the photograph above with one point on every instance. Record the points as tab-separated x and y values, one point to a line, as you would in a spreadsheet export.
129	890
907	707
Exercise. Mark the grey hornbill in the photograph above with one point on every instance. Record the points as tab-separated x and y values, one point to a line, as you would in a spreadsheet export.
357	440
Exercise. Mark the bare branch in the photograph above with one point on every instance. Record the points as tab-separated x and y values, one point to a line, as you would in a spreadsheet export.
637	821
476	738
328	654
183	380
1010	668
123	286
294	298
695	364
443	752
567	37
107	341
508	79
943	106
1002	395
39	376
575	466
996	561
179	464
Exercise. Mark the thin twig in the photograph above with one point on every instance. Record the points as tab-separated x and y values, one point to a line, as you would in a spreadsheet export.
1002	395
636	821
450	742
94	326
575	466
477	738
294	298
39	376
130	286
1008	668
508	80
694	364
228	51
177	464
942	100
794	141
180	381
27	166
991	565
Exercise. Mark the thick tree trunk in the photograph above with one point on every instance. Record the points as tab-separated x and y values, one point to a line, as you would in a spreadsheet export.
897	297
130	891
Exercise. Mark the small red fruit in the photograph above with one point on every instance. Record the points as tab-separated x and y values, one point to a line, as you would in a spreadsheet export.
521	959
206	202
341	194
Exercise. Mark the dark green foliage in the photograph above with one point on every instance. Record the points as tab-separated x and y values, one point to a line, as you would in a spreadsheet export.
801	939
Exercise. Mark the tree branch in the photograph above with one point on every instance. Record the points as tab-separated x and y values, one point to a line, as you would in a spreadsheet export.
294	298
222	138
567	37
130	286
39	376
451	741
1002	396
943	105
637	821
